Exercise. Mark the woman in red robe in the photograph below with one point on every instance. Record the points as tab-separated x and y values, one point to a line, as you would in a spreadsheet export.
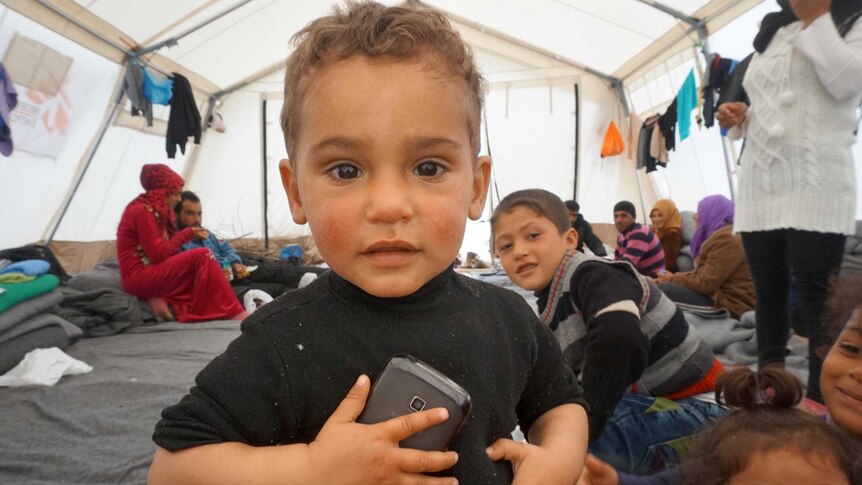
151	264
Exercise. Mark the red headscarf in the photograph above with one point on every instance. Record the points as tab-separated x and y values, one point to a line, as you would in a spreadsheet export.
159	181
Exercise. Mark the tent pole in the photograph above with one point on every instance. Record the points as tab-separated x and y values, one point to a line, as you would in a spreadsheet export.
106	123
172	41
264	182
577	139
640	190
50	6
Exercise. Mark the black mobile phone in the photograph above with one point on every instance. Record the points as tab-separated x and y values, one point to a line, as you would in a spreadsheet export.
408	385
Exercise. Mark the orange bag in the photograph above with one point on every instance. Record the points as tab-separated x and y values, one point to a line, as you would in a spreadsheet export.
613	144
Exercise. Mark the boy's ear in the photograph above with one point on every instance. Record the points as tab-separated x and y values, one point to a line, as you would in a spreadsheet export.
291	188
571	236
481	178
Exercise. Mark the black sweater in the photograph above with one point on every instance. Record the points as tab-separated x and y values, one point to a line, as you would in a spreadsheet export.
299	355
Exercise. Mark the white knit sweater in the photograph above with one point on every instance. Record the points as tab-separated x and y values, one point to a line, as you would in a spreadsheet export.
797	168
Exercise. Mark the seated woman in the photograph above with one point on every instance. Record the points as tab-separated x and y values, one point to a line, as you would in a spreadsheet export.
151	265
667	224
721	277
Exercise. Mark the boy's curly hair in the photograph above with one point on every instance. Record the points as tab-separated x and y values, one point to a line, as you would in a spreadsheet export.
763	419
374	30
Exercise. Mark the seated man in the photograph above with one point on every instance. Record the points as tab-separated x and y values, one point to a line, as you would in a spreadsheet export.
585	230
637	244
270	276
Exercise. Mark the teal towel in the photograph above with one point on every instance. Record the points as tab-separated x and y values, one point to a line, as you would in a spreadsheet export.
686	100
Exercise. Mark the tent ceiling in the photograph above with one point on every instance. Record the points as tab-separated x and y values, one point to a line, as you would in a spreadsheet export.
610	37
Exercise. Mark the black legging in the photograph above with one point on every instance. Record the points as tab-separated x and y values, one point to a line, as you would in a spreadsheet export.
812	257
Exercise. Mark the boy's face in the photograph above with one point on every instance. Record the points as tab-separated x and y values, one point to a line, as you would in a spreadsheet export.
384	173
530	247
841	377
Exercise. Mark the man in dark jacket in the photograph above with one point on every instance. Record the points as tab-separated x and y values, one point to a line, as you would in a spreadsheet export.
585	230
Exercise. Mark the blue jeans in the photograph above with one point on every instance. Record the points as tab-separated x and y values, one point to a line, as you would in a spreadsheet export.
647	434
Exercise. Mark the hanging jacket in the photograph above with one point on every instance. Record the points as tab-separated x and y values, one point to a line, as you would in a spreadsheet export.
133	87
184	120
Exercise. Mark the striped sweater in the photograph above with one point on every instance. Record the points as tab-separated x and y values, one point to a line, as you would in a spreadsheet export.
620	333
642	248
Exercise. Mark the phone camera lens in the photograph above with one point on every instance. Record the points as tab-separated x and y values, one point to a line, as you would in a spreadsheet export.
417	404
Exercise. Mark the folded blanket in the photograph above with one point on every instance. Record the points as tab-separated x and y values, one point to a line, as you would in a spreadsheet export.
716	327
30	267
15	278
106	274
29	308
100	312
18	292
12	351
40	321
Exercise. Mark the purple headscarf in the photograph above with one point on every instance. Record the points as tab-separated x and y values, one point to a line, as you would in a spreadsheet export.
713	213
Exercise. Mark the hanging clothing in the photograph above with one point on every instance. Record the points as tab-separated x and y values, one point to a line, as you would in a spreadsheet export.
8	101
667	124
644	142
133	87
184	120
718	79
686	101
158	89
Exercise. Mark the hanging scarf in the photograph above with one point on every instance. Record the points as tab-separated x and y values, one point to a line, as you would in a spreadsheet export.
160	182
844	14
672	219
713	213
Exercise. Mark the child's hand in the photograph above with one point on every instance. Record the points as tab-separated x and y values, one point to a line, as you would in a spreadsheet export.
348	452
533	464
597	472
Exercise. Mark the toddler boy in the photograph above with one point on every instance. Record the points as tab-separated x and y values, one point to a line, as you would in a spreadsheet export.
381	122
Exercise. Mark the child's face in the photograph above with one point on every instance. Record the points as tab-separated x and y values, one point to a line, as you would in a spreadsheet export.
841	377
384	173
530	247
783	466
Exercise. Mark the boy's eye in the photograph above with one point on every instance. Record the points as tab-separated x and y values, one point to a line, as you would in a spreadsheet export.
533	235
429	168
345	171
504	247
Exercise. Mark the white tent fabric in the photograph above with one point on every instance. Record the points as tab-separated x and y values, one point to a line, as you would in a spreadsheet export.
533	52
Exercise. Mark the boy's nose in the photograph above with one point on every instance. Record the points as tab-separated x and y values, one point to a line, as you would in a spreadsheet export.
389	201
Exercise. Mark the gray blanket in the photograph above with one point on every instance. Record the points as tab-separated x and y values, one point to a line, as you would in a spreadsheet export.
96	428
100	312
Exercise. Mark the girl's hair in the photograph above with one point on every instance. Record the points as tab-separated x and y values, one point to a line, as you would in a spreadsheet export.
845	296
763	419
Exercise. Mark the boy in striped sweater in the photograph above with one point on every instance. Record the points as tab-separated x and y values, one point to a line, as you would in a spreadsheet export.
618	331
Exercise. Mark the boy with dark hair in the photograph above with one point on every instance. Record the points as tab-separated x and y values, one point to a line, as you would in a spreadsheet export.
618	332
586	236
381	119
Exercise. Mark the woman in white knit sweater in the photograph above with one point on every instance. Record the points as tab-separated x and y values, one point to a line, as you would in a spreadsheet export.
797	189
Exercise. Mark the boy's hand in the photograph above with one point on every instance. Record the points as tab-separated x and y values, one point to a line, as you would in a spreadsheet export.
348	452
597	472
533	464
